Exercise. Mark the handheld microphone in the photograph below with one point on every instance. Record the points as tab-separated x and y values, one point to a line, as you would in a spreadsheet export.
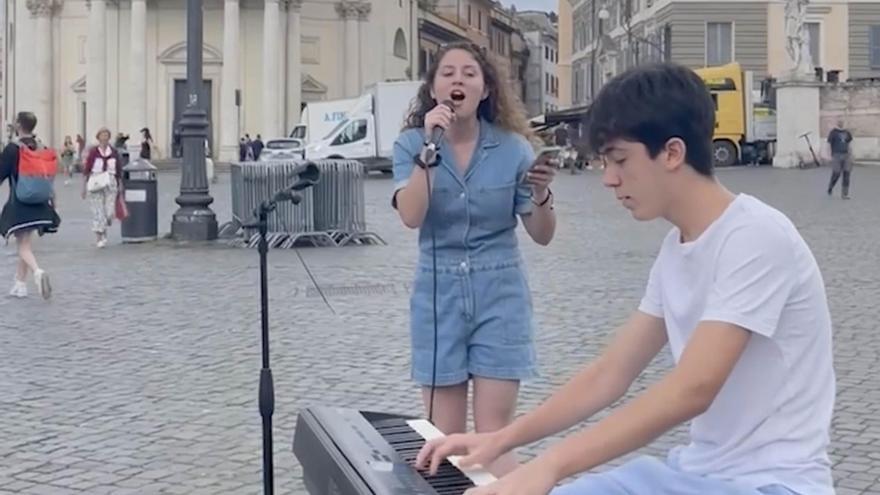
437	132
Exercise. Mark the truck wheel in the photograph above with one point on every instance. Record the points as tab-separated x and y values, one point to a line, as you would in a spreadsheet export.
723	154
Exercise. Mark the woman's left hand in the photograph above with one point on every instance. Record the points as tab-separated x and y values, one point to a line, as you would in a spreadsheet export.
540	175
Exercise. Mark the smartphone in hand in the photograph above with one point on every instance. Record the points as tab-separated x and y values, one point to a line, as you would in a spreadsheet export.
549	153
544	154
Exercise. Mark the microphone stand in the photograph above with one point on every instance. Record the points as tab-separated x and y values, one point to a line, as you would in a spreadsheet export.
267	389
307	177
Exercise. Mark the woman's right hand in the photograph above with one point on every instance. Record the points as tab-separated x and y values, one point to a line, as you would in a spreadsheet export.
476	448
439	116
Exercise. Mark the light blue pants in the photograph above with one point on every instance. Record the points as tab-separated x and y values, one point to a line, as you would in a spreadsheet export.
649	476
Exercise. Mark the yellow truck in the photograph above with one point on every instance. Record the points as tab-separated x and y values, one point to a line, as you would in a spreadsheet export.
745	122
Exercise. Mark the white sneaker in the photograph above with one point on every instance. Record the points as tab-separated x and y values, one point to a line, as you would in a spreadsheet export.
19	289
102	243
41	278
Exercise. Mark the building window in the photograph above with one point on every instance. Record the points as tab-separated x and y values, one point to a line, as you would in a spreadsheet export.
423	61
874	46
400	44
480	20
815	32
719	43
470	22
355	131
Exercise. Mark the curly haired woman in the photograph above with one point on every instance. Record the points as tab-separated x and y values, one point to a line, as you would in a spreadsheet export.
466	200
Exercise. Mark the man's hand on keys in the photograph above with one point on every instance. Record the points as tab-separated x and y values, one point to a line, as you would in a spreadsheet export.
533	478
476	449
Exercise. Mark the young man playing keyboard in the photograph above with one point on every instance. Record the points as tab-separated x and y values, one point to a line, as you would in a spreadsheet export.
735	292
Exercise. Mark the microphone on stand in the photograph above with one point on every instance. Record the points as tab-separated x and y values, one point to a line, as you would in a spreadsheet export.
307	177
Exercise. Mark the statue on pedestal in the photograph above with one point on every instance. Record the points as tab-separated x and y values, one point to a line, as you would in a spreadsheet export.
797	38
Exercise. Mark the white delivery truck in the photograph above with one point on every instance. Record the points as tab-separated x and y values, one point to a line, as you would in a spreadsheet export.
372	126
320	117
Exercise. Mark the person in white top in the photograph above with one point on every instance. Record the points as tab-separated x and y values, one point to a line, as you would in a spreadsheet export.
735	292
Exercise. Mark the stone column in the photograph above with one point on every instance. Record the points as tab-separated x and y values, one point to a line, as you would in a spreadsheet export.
24	32
271	42
96	72
41	68
367	66
138	73
294	64
414	41
348	11
229	124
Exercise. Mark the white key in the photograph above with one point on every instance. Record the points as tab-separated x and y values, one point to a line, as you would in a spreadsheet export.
480	477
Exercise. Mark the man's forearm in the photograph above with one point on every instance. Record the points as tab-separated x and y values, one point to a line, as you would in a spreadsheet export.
587	393
661	408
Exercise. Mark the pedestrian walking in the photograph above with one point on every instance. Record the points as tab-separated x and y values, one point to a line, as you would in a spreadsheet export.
23	216
841	159
102	182
146	144
68	157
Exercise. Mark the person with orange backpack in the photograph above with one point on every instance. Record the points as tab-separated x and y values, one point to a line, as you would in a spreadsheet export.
30	168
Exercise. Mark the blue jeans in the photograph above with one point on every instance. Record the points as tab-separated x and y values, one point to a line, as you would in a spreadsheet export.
649	476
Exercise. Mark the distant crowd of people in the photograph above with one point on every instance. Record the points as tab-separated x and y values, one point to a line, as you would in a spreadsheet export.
249	149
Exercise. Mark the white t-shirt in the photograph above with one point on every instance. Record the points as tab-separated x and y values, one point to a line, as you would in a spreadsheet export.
770	422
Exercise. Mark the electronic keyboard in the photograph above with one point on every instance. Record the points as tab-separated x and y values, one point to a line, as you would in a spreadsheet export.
348	452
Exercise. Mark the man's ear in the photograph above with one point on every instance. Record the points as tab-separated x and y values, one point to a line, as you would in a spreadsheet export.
676	152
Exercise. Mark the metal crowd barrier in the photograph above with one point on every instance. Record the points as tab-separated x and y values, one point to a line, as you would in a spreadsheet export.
339	196
332	213
254	182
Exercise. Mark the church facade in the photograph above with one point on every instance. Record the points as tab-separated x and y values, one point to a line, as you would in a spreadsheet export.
85	64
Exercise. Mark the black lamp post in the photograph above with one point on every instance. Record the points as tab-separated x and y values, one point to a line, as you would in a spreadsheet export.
194	220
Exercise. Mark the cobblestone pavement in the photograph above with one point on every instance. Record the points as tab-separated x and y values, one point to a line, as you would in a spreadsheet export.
140	376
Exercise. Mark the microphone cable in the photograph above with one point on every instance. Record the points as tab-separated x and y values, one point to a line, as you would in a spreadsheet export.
436	142
434	297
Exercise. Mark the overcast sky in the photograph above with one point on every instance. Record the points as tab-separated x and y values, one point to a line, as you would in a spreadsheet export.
545	5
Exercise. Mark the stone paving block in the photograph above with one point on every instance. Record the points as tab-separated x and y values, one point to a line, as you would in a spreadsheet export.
50	490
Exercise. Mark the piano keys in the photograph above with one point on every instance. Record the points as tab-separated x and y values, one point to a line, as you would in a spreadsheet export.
348	452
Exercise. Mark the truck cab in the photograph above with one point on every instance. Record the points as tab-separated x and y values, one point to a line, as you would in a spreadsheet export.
320	117
745	120
368	133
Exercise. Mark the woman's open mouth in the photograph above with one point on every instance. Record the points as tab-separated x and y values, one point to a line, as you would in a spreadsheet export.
457	95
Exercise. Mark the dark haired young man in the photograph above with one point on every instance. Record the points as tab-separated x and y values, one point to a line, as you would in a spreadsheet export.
737	295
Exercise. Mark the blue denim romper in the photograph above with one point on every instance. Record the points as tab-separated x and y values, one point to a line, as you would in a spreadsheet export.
484	306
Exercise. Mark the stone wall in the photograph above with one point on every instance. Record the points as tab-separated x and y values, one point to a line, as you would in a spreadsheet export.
859	105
